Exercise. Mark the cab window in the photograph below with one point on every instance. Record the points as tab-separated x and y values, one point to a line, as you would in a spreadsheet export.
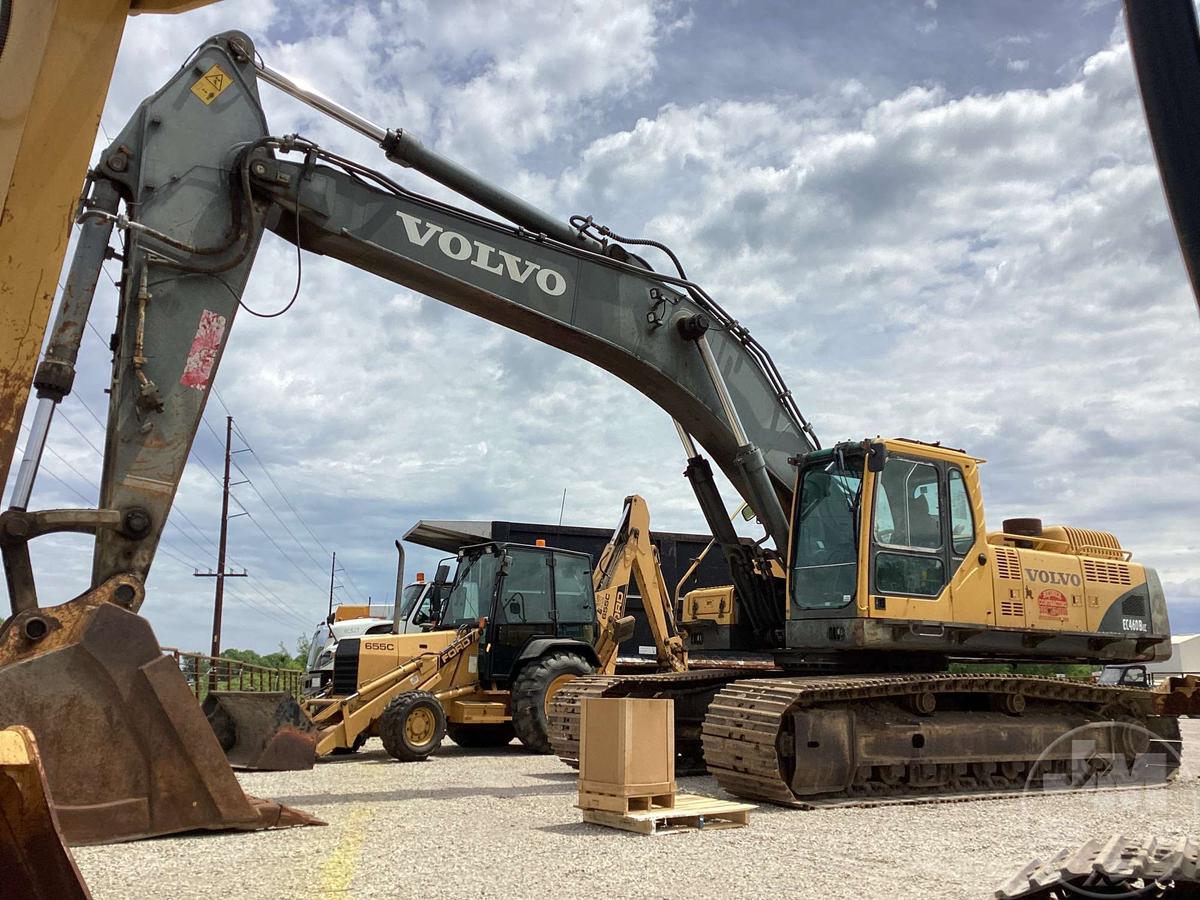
907	530
907	509
962	524
573	597
525	596
825	548
471	595
909	574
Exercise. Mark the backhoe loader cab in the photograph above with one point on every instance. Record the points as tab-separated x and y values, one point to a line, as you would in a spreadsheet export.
517	623
890	552
529	596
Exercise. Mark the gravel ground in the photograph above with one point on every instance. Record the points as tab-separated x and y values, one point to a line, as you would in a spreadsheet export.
503	824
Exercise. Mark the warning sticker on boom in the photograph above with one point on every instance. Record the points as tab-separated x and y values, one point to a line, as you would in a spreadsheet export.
211	84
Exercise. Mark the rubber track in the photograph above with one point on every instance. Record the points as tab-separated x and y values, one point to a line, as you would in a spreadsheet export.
745	721
566	709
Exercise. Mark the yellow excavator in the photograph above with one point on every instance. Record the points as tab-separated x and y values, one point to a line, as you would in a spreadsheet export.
518	623
888	571
891	573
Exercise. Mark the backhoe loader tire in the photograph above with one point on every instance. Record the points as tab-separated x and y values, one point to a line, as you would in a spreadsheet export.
533	688
493	735
412	726
353	748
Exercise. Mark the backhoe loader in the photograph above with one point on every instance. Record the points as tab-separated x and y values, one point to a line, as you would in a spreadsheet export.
888	572
518	624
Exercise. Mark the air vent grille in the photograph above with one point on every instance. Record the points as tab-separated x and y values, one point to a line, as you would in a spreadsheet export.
1105	572
1008	564
1012	608
1086	542
345	667
1134	606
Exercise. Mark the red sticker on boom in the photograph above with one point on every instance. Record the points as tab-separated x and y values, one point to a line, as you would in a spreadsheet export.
203	355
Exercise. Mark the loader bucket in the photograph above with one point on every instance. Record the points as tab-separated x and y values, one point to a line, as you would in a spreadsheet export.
126	750
261	730
34	862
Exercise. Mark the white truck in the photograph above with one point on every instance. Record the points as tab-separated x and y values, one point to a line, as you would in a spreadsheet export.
416	611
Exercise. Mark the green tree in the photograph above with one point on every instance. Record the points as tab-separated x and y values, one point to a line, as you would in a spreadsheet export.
1070	670
303	646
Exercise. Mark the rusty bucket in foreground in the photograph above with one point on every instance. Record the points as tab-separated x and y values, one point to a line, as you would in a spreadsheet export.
262	730
34	862
127	752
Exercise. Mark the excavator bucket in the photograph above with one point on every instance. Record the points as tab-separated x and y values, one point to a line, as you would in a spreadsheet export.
127	751
260	730
34	862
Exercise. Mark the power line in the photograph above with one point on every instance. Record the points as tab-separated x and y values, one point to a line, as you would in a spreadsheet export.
265	611
62	414
274	543
170	551
226	408
268	505
290	506
179	512
356	592
272	598
63	460
176	511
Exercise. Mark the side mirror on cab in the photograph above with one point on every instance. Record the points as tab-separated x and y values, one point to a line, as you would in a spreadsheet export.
877	456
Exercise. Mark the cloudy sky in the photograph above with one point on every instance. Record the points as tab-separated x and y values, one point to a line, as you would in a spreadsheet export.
943	220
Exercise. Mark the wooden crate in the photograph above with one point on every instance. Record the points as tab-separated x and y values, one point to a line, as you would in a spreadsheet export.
690	813
627	750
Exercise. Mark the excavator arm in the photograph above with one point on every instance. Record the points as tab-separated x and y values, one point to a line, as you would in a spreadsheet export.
628	557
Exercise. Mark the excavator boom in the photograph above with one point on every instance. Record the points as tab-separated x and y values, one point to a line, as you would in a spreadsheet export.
206	179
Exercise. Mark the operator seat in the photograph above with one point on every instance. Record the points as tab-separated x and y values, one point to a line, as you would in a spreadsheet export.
923	528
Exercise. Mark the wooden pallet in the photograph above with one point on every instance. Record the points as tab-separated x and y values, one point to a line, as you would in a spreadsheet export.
626	798
690	813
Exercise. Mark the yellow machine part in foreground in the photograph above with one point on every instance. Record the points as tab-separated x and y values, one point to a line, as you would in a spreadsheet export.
55	67
34	861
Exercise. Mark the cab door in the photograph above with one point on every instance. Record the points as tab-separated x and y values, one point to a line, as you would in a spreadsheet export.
522	611
911	554
574	597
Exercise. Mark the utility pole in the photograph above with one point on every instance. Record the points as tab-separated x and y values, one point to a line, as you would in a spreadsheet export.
221	574
332	569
